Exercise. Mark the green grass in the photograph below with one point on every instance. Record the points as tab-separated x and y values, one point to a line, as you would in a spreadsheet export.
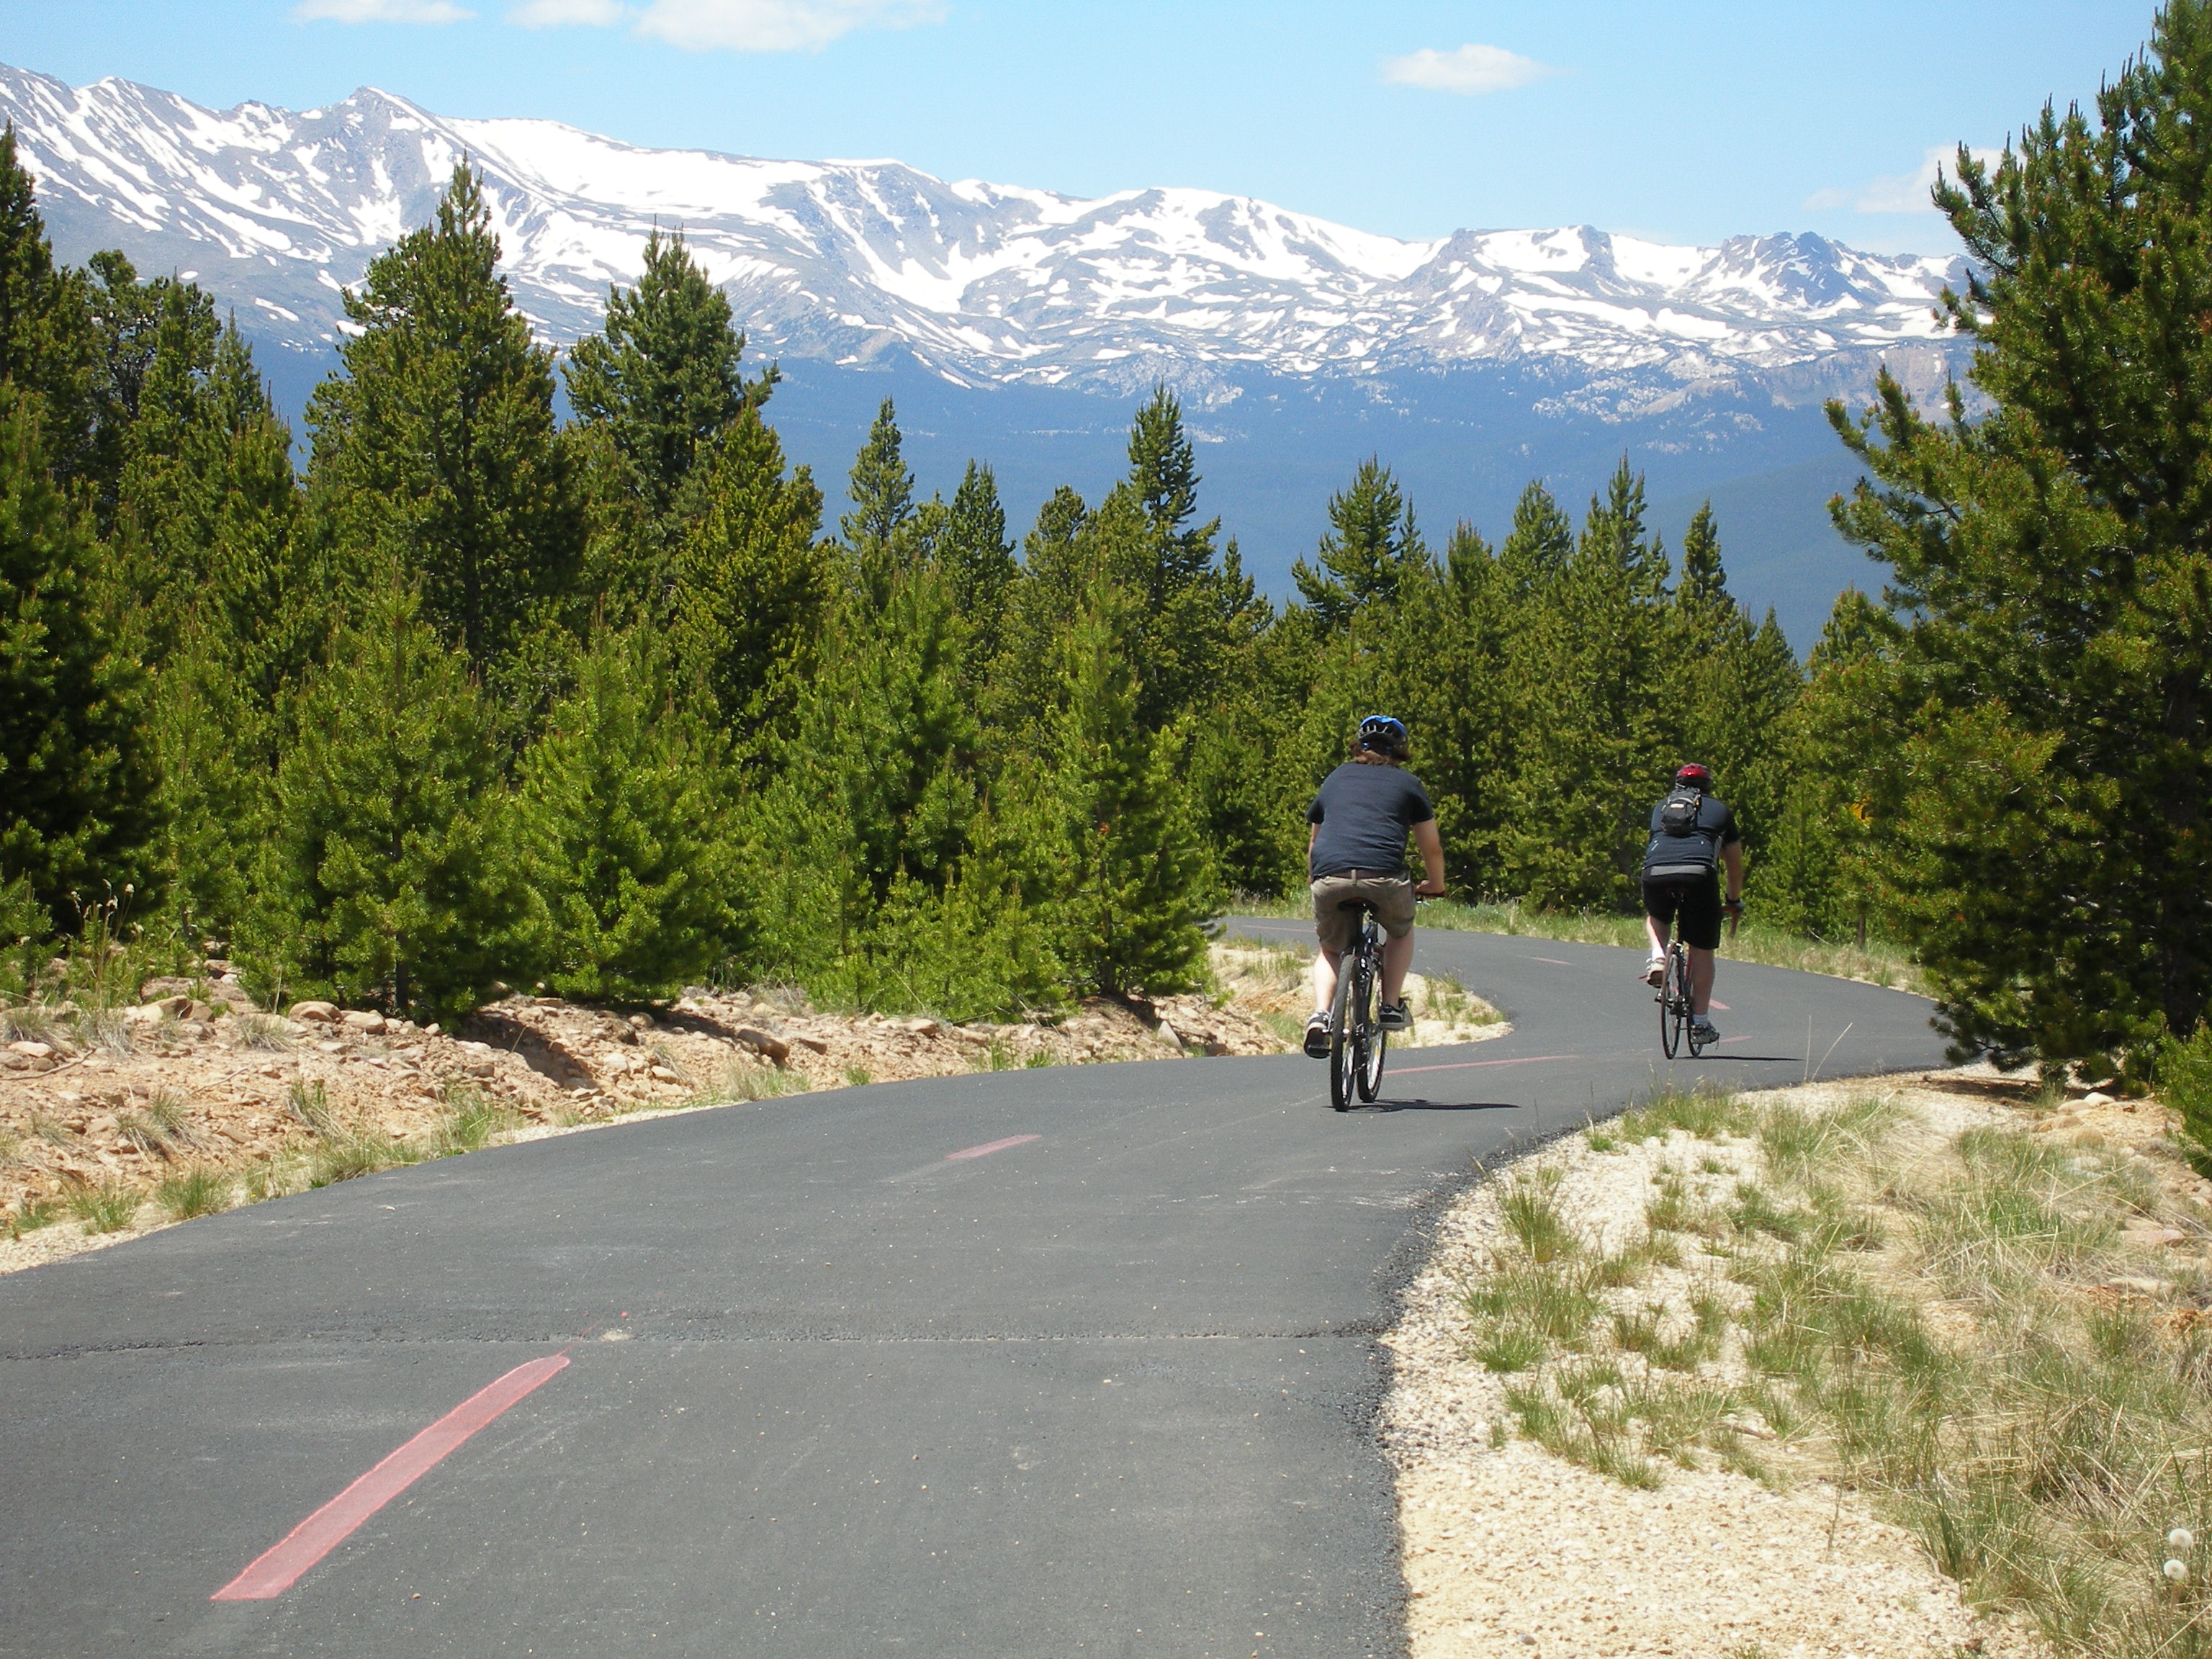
348	1154
751	1080
309	1103
1528	1206
472	1119
106	1208
1704	1113
201	1191
30	1214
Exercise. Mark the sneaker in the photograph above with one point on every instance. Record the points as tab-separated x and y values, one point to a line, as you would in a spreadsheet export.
1703	1031
1654	972
1317	1036
1393	1017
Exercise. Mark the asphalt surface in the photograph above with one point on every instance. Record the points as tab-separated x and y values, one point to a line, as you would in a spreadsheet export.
1107	1390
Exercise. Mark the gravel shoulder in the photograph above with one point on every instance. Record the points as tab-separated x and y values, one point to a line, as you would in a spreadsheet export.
1510	1549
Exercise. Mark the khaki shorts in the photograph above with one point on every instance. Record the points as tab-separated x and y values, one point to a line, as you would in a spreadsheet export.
1391	898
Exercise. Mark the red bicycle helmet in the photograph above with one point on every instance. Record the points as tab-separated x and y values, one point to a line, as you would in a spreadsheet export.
1695	773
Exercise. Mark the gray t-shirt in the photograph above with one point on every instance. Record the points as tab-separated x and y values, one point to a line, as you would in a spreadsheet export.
1365	813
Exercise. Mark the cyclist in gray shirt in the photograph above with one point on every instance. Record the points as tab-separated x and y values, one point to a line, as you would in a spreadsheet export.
1356	849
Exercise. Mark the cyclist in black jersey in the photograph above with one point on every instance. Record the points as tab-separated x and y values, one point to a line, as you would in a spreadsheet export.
1694	839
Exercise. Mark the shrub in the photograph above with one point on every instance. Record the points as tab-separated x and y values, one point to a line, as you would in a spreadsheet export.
2184	1074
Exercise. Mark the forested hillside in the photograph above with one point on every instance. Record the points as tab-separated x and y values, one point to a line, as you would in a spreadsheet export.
483	698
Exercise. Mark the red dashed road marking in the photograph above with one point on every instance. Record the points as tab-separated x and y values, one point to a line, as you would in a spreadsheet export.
277	1568
990	1146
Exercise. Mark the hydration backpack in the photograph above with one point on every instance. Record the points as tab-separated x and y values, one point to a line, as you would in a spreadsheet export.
1681	849
1679	816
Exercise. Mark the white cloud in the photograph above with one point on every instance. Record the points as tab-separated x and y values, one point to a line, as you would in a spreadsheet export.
1470	70
383	11
553	13
1904	192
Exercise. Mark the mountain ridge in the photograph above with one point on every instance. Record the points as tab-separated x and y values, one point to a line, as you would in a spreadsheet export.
981	283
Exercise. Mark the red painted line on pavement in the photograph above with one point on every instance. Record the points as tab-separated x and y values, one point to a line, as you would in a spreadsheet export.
1469	1064
1723	1006
1551	961
990	1146
277	1568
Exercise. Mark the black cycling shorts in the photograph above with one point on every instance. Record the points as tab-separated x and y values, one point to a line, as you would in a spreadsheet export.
1695	905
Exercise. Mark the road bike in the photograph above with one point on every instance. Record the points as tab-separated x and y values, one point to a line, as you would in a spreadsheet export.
1356	1041
1677	1025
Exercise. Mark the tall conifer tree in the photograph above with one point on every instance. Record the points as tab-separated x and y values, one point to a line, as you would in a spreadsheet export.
433	451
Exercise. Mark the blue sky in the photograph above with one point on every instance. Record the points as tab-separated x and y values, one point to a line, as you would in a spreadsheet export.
1685	120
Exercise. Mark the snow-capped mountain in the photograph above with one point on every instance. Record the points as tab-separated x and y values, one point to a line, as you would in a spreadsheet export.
847	261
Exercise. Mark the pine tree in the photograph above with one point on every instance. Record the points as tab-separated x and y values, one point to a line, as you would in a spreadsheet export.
662	374
1541	545
881	490
388	877
77	777
216	746
1591	756
2047	845
898	738
616	814
207	506
1363	561
1189	611
46	343
434	450
1054	577
1138	883
977	556
1439	662
753	588
1729	686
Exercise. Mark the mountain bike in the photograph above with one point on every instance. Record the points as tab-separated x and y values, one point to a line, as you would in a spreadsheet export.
1356	1041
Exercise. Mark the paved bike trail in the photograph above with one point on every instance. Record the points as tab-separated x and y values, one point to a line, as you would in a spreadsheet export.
1105	1386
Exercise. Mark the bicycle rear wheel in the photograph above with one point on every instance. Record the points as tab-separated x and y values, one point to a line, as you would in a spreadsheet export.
1342	1062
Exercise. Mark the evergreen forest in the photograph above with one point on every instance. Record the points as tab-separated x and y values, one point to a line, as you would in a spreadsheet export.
450	695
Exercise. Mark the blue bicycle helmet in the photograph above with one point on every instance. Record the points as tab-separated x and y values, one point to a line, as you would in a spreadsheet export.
1385	734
